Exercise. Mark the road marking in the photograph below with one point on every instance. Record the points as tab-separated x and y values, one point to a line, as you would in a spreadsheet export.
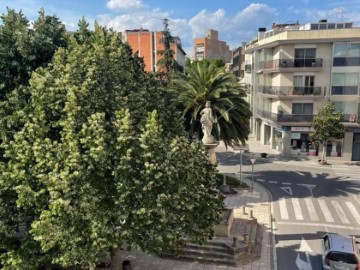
283	209
260	180
326	211
353	211
304	248
273	182
352	228
297	209
286	183
311	209
287	190
309	187
340	212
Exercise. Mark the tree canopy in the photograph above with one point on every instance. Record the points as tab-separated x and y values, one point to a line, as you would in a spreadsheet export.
205	81
327	125
100	163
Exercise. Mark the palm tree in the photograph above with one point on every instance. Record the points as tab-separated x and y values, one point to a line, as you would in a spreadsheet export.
204	81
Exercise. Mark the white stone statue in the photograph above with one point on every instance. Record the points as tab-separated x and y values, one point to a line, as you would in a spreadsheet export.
207	120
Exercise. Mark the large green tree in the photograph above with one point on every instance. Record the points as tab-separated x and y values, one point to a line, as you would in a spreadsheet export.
206	81
327	125
22	50
101	163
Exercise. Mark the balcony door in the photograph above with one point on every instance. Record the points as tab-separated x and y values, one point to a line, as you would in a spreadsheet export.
304	85
305	57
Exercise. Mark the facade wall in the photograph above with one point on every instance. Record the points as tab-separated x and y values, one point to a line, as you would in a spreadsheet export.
147	44
210	47
288	90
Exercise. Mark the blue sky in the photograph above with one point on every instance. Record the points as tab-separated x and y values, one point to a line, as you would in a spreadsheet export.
236	20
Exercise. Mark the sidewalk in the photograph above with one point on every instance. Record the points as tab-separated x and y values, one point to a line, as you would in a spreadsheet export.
259	201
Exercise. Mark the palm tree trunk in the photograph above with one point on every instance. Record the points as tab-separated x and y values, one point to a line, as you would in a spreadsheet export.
115	259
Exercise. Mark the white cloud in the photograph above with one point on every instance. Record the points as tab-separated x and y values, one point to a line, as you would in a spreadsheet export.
234	30
124	4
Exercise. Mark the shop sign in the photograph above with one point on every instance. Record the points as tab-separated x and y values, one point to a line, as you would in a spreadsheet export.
295	135
300	129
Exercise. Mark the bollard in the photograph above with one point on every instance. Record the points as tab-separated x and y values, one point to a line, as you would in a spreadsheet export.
235	242
244	212
126	265
251	214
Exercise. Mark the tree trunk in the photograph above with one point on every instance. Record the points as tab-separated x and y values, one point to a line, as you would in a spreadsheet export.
115	259
48	266
323	153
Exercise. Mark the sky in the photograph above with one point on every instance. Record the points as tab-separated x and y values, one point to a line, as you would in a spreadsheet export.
236	21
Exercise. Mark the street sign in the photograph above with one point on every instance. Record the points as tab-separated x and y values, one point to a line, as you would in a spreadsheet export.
252	160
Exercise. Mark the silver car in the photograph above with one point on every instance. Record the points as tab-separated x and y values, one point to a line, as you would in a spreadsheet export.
340	252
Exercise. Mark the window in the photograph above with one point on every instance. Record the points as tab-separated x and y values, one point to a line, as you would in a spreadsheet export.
303	85
304	57
346	54
345	84
302	108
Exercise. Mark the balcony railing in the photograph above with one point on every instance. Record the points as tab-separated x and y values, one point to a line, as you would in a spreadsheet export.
345	90
293	118
291	91
291	63
283	117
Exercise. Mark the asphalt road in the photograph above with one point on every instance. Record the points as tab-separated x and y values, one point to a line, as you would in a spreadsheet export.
308	201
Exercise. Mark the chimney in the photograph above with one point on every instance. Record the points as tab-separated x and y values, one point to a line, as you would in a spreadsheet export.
261	33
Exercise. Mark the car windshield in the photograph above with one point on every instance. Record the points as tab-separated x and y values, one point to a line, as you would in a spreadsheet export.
343	257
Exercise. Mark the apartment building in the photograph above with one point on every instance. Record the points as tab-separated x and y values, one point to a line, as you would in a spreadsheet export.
147	44
293	70
210	46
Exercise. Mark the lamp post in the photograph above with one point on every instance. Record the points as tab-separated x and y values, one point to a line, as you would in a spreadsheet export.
253	160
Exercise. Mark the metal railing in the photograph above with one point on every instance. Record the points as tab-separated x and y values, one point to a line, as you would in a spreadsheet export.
291	63
290	90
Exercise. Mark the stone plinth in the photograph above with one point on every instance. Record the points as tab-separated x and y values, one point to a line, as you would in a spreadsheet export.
210	147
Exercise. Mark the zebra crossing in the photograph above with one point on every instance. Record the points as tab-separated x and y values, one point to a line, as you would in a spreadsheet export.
319	210
347	172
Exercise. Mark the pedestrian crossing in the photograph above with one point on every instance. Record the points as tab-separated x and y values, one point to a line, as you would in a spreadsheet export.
347	172
319	210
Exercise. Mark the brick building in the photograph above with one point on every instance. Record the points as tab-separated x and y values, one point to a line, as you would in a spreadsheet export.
147	44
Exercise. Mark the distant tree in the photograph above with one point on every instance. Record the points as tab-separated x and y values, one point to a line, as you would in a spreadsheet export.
205	81
101	163
327	125
167	63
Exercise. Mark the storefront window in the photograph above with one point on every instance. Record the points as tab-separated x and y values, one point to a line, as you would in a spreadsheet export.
334	148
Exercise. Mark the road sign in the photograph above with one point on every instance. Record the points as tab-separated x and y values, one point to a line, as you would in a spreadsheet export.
252	159
300	263
287	190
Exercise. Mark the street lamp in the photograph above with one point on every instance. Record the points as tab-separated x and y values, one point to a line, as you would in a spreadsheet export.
253	160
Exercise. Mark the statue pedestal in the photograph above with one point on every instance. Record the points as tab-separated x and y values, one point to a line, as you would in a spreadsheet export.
210	147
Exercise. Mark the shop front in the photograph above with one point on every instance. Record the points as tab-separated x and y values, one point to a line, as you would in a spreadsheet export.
300	142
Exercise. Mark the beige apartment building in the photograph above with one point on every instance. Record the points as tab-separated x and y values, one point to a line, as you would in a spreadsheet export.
293	70
210	47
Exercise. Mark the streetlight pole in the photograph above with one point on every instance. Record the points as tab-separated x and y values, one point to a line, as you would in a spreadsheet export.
252	159
240	167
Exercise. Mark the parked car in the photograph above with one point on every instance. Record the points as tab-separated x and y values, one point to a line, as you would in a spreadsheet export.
340	252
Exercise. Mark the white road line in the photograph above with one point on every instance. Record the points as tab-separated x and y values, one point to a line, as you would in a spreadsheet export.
353	228
325	211
353	211
283	209
340	212
260	180
297	209
273	182
311	209
286	183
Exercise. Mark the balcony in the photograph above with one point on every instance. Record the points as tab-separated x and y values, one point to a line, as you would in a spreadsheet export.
351	118
285	118
291	91
345	90
291	65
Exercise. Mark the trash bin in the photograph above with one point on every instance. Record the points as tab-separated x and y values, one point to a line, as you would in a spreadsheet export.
126	265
